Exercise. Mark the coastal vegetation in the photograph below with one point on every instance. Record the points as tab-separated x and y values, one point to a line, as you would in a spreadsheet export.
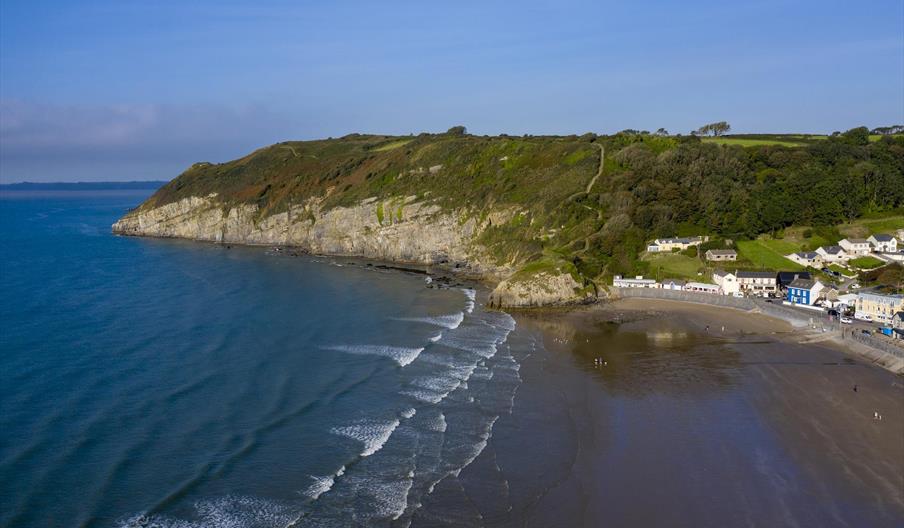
587	204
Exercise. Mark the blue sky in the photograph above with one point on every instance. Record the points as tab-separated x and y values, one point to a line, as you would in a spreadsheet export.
125	90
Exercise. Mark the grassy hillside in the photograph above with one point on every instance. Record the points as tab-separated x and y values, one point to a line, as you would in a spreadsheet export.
594	220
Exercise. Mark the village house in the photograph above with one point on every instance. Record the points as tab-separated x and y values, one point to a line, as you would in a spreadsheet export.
761	283
701	287
832	254
806	258
784	278
877	306
637	282
855	246
669	244
672	284
721	254
727	282
804	291
884	243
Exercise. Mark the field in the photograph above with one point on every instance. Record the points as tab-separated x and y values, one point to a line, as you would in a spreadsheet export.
768	254
870	225
748	142
673	265
866	262
785	140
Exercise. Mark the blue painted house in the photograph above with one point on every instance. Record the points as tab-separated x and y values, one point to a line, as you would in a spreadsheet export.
804	291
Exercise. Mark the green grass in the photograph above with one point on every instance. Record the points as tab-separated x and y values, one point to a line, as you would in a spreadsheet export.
865	262
393	145
745	142
871	225
673	265
839	269
781	246
761	255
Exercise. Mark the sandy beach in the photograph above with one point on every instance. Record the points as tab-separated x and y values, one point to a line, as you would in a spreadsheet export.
659	413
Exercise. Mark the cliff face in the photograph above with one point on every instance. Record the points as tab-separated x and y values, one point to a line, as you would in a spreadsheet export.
400	230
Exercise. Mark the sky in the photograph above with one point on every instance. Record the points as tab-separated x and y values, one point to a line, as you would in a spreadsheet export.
121	90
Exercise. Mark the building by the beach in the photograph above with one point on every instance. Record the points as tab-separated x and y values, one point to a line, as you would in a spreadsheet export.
804	291
761	283
878	307
673	284
727	282
637	282
701	287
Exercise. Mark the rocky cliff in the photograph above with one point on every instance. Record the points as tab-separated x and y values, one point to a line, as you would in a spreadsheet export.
400	229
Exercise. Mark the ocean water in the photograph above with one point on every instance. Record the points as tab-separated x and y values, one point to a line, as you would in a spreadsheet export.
169	383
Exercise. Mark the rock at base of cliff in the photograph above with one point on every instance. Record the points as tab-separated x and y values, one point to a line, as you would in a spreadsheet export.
542	289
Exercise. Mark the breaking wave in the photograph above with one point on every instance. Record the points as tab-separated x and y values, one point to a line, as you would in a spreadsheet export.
401	355
373	434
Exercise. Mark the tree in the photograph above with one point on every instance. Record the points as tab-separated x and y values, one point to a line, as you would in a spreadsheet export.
457	131
716	129
856	136
662	132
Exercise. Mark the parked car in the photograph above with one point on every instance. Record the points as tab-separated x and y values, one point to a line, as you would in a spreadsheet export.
866	332
846	320
854	286
833	313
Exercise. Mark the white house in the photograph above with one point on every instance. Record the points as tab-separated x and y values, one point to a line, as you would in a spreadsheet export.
727	282
760	283
668	244
701	287
884	243
636	282
832	254
672	284
855	246
806	258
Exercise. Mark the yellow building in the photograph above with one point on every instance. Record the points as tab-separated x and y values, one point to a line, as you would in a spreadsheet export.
878	307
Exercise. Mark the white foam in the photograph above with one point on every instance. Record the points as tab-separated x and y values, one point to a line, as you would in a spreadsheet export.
438	424
224	512
322	485
436	338
373	434
451	321
401	355
472	296
408	413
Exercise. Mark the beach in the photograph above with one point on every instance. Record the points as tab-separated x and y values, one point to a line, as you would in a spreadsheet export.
659	413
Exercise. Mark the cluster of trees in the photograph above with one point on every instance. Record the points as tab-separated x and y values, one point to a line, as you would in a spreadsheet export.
737	193
889	130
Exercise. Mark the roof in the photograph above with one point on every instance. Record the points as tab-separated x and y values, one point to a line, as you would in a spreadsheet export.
804	284
832	249
674	281
809	255
881	297
721	272
755	275
883	238
789	276
701	285
857	240
722	251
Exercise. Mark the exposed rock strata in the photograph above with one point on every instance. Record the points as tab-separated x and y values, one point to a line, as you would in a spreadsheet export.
399	230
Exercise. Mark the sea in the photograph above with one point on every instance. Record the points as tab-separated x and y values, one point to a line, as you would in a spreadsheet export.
164	383
150	382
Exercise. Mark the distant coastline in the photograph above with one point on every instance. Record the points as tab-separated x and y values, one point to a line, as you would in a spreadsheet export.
82	186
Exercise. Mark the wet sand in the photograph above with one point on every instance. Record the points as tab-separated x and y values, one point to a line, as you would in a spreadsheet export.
648	413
